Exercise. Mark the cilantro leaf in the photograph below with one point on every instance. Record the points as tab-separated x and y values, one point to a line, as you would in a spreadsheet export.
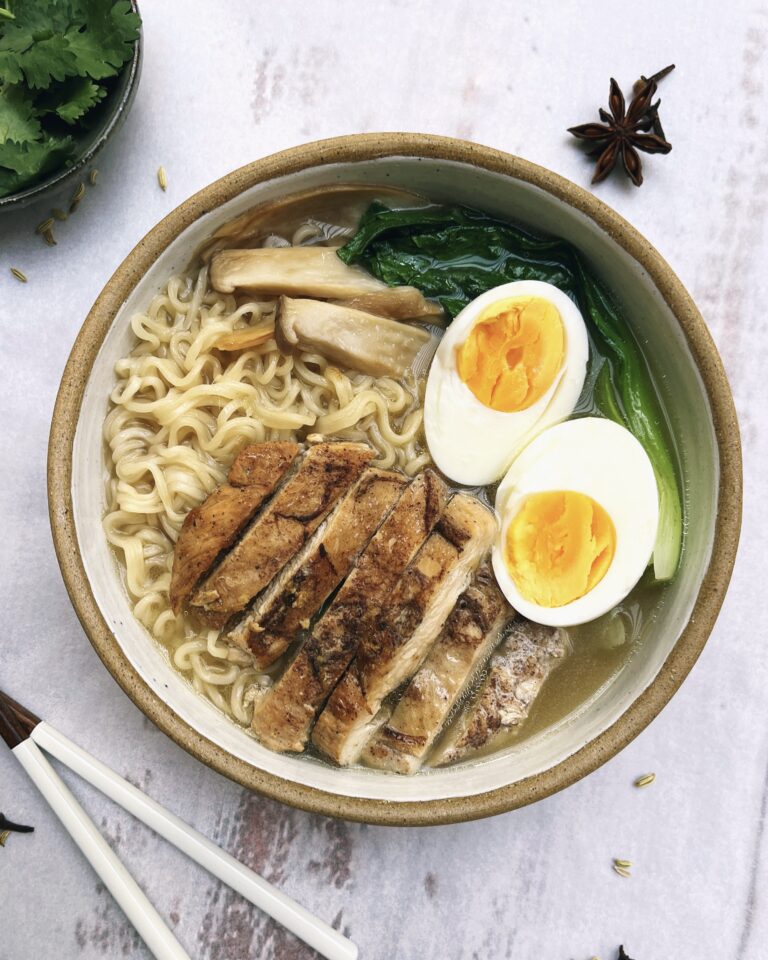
78	97
46	60
25	163
18	116
14	41
51	52
103	40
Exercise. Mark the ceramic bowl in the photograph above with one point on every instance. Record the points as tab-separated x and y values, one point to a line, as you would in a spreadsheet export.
112	113
685	364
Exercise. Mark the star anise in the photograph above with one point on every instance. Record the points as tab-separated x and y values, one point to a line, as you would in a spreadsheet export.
625	131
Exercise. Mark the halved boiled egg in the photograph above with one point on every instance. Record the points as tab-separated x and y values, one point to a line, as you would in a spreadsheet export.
512	363
579	510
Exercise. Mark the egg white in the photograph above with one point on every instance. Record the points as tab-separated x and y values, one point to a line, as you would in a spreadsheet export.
603	460
471	443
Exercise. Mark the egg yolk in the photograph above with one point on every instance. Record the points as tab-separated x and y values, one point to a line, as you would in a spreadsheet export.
513	353
559	546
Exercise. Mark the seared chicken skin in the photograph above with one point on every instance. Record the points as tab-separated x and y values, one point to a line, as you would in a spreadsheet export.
283	720
296	595
516	674
468	637
325	474
213	526
405	628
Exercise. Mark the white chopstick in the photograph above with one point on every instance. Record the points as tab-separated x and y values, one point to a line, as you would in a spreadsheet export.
104	861
313	931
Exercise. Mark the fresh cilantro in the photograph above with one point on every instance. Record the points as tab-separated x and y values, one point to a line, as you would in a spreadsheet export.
78	98
51	52
18	117
104	45
21	164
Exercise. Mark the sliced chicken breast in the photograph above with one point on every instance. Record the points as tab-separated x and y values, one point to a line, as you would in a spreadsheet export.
405	628
516	674
470	633
296	595
325	474
213	526
283	720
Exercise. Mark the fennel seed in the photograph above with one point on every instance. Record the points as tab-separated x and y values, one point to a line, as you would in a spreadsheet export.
44	226
21	277
59	214
49	237
78	195
93	177
646	780
622	871
162	179
4	836
622	863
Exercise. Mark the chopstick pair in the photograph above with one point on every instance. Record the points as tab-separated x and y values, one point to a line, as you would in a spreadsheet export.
26	734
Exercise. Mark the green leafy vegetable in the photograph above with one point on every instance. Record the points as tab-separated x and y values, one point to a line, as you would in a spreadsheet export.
18	117
51	51
78	98
454	254
23	163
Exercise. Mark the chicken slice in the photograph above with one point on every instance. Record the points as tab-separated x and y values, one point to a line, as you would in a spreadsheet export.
405	628
325	474
299	591
283	720
469	635
213	526
516	674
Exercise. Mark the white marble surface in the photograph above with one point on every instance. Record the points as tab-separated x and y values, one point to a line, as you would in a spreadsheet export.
225	83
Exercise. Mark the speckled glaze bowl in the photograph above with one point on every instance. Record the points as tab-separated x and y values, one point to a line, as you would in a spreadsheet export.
685	363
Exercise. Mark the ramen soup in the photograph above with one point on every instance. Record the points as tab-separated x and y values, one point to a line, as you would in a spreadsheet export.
389	481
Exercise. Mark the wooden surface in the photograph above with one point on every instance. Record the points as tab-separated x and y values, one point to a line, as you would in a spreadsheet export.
225	83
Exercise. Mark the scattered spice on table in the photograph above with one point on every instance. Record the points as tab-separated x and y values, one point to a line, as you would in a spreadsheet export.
77	196
21	277
626	130
646	780
162	178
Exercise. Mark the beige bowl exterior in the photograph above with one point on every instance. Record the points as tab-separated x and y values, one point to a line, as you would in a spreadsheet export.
703	608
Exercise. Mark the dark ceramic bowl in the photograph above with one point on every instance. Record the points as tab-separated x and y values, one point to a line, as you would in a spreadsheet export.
114	110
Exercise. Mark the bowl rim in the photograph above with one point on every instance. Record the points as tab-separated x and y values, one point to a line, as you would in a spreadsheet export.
131	70
360	148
